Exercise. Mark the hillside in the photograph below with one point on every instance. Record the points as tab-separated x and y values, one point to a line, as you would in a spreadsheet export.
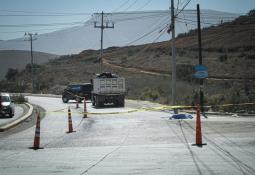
18	59
147	68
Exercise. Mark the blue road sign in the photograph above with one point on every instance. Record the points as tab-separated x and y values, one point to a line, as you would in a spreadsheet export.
201	68
201	71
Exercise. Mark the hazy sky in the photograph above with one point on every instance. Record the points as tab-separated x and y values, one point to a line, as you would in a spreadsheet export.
17	12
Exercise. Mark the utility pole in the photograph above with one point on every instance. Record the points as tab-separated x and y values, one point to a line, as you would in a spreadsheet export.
201	81
172	27
31	38
104	24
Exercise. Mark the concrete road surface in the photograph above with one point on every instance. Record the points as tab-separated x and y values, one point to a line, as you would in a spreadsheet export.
142	142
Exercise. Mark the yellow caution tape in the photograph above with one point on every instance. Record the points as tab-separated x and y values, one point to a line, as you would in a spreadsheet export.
159	108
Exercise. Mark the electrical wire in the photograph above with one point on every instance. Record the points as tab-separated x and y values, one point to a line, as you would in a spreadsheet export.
35	25
183	8
131	5
44	12
195	21
158	27
122	5
147	3
144	35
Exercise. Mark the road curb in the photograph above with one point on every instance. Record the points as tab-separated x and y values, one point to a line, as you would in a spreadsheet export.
19	120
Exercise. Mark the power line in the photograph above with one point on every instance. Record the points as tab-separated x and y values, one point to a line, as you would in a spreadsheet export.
39	25
44	12
148	45
195	21
80	23
183	8
131	5
122	5
139	18
146	3
158	27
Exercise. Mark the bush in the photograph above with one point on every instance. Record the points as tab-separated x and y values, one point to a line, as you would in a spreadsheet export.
223	58
184	71
19	99
251	13
251	56
11	74
150	94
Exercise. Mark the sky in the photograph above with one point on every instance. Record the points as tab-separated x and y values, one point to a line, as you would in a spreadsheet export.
43	16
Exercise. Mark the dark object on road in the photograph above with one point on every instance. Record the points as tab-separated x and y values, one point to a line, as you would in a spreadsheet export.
181	116
77	92
7	106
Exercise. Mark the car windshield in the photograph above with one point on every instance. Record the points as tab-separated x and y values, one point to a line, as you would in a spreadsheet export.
75	87
5	99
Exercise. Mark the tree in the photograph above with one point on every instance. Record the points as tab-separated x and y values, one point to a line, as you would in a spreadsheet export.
11	74
251	13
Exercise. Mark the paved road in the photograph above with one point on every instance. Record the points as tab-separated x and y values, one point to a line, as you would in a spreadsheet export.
144	142
6	119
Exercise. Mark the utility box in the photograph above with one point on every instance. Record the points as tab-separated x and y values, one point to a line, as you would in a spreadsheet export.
108	89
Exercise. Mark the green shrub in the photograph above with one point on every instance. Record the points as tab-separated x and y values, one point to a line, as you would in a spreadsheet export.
19	99
150	94
223	58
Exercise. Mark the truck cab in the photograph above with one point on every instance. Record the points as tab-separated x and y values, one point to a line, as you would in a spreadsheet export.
77	92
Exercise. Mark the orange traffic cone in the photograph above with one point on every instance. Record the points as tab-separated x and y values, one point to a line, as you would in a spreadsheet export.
37	134
85	109
70	123
198	129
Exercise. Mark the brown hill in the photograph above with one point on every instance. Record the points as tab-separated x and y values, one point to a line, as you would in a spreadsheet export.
18	59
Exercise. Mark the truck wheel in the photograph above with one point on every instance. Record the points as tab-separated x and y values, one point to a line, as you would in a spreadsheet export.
78	100
11	114
65	100
96	102
122	103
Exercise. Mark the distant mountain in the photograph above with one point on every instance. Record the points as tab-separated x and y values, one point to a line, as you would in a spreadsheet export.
140	27
18	59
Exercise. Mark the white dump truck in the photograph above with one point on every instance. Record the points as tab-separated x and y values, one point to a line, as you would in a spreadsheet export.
108	88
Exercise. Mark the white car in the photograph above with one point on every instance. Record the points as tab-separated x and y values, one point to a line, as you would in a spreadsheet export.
6	105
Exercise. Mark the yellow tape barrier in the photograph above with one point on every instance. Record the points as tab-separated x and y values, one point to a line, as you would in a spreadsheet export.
160	108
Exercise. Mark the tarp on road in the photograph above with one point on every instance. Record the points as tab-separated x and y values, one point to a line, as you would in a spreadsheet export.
181	116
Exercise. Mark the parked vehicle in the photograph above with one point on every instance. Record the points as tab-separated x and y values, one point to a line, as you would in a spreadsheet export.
108	88
6	105
77	92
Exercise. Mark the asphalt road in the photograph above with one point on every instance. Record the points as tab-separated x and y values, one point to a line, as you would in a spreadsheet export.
142	142
6	119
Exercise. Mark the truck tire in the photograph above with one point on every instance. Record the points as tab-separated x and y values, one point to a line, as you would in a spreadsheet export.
96	101
65	100
78	99
119	101
11	114
122	103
